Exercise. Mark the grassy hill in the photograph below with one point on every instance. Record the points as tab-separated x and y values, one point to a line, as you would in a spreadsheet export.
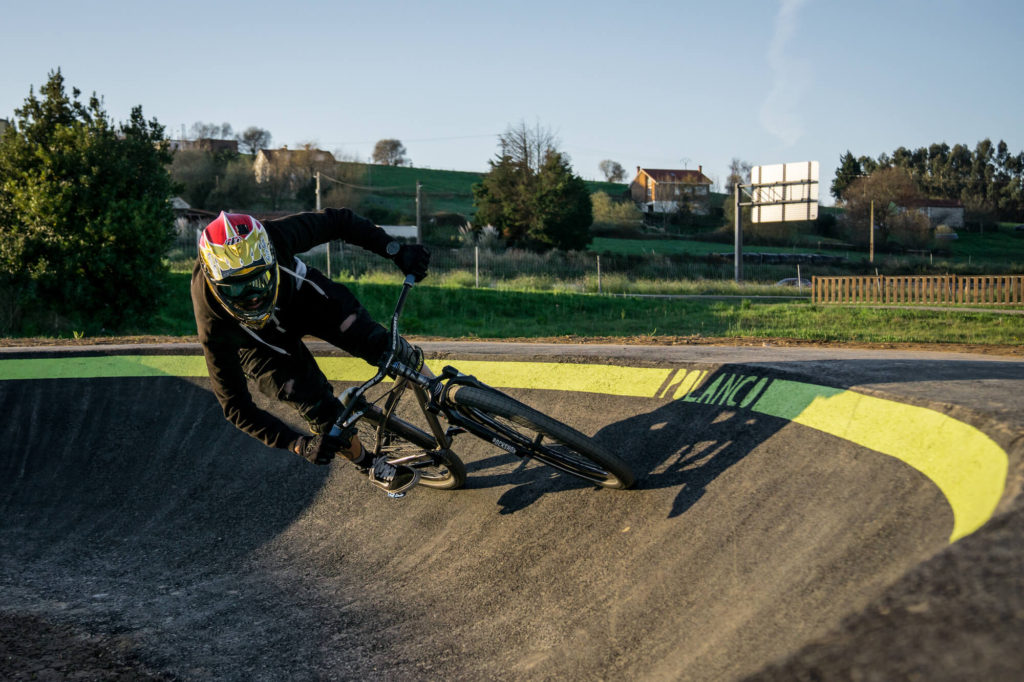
388	193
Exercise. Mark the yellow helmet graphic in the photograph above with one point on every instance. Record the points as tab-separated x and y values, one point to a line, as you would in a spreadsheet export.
240	267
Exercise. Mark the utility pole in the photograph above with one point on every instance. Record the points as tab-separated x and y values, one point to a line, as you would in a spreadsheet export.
871	236
419	225
738	228
328	245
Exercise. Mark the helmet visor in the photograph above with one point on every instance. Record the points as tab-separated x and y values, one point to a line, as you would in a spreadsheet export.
250	292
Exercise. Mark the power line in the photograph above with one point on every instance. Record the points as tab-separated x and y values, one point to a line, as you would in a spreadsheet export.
421	139
349	184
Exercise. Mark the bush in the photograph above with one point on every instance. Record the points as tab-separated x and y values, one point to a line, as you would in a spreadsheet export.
608	212
461	279
827	225
85	219
911	230
537	282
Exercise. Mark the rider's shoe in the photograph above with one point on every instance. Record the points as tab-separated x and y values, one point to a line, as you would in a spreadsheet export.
393	479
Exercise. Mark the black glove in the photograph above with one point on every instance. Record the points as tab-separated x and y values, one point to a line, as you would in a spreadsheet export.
406	353
319	449
413	259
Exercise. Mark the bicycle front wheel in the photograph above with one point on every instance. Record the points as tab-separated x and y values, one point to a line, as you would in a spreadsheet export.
406	443
546	439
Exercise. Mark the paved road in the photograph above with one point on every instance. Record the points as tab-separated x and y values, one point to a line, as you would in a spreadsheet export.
793	518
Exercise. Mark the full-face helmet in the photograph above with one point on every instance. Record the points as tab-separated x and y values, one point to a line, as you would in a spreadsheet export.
240	267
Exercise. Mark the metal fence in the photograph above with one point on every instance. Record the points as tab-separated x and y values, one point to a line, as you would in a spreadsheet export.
475	266
939	289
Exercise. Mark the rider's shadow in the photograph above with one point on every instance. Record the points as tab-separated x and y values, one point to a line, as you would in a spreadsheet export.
688	446
681	444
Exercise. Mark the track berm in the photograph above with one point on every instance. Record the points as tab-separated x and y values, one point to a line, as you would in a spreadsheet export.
793	520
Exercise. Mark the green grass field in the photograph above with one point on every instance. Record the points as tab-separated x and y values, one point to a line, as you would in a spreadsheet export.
459	313
445	191
639	247
1002	247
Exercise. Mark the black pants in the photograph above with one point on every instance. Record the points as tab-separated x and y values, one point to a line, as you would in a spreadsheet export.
295	378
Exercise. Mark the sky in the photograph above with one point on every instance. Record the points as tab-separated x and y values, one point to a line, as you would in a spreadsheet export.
658	84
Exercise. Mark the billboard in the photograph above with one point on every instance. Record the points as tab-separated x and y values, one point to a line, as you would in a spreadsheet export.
784	192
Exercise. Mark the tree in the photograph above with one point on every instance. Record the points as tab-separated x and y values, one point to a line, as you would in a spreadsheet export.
253	139
235	187
84	214
620	213
527	147
891	190
196	172
564	214
911	229
504	199
210	131
739	174
613	171
848	171
537	203
390	152
987	180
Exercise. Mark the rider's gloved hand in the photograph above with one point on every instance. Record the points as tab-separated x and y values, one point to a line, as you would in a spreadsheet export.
319	449
413	259
406	353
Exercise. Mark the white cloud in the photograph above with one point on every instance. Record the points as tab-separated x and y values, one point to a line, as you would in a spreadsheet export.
780	111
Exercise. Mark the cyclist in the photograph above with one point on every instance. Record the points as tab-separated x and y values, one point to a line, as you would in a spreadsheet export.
254	301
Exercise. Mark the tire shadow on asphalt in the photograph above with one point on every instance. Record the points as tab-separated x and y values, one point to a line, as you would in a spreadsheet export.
681	444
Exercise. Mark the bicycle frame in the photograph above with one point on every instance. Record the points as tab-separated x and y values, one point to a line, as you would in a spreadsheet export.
432	395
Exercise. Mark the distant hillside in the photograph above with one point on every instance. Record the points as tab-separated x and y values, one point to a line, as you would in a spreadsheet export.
388	193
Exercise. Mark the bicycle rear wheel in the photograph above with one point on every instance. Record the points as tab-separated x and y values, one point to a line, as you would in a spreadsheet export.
399	440
546	439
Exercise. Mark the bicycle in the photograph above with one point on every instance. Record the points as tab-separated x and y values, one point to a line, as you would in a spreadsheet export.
469	406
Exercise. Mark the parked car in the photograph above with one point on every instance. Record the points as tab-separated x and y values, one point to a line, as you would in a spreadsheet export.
793	282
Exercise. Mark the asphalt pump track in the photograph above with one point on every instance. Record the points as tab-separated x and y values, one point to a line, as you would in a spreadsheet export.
799	514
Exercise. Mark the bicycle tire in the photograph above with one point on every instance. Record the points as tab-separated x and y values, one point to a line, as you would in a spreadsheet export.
439	469
570	451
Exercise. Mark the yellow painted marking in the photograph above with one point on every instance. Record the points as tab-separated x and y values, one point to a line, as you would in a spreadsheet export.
966	465
641	382
346	369
103	366
689	382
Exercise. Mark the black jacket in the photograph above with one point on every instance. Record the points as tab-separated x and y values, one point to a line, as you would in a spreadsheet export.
225	341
